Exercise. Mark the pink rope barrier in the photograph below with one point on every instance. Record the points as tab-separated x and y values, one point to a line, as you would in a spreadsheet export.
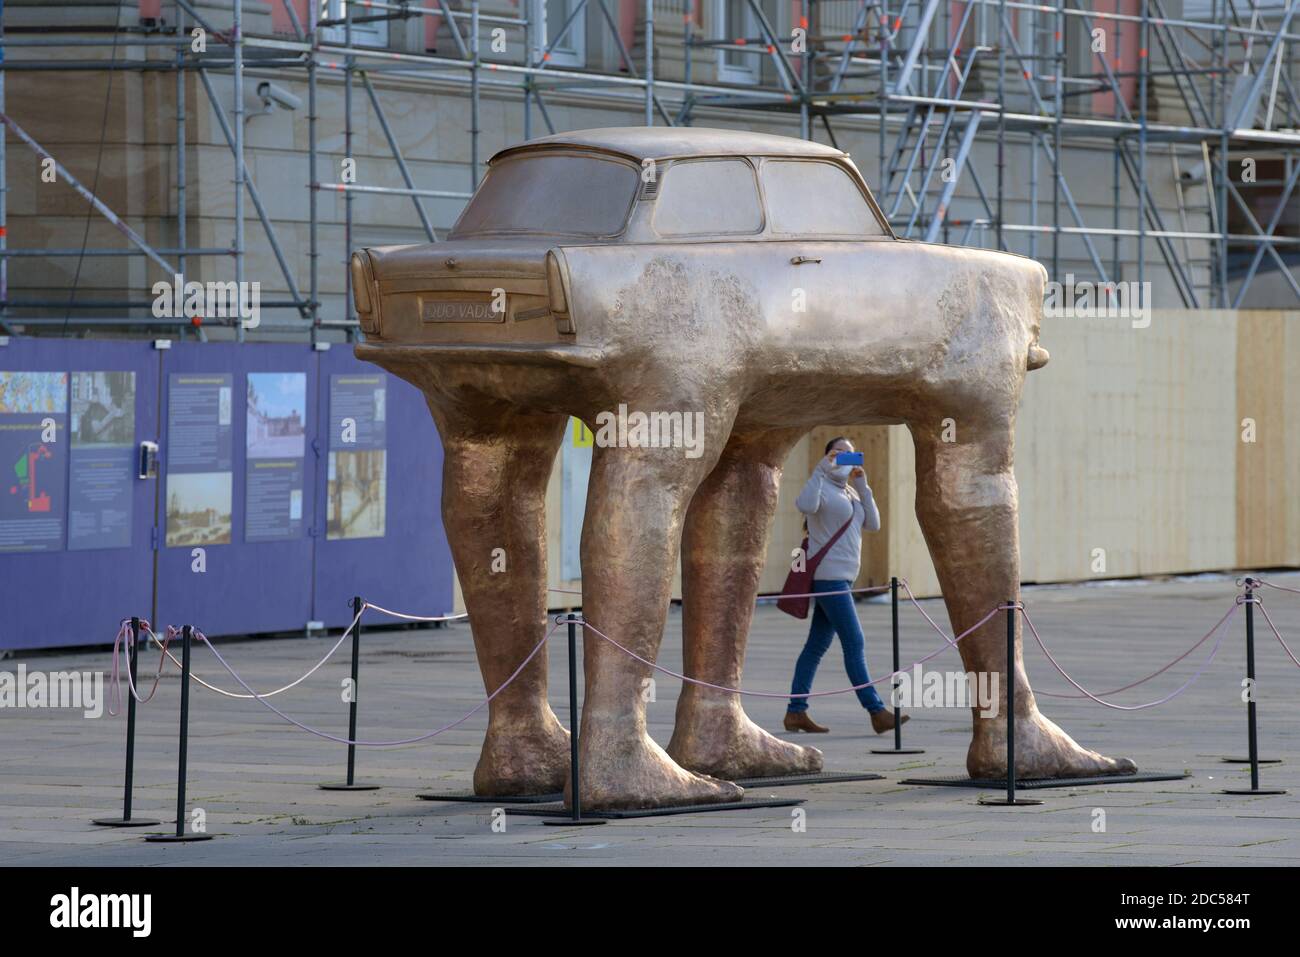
1137	707
811	594
378	744
398	614
1278	635
811	694
1204	638
114	685
171	632
1266	584
293	684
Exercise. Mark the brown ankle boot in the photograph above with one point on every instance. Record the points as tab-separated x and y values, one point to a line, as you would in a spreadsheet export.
883	721
799	721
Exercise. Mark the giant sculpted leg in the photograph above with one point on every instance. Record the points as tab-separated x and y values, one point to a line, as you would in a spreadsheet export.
636	503
723	551
497	463
967	506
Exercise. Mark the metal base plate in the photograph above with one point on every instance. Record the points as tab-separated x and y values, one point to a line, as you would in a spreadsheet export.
125	822
898	750
173	839
569	822
1247	760
819	777
777	781
1031	783
557	811
1003	802
463	798
1252	791
349	787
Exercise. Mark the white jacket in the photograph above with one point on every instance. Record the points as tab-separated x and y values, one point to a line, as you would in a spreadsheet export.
828	503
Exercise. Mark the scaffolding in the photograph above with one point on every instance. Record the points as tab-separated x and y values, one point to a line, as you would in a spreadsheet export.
935	79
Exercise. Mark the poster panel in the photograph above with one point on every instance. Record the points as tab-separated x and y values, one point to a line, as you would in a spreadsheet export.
199	458
358	459
33	457
102	469
275	445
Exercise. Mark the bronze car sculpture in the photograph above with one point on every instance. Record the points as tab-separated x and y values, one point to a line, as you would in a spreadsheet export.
748	280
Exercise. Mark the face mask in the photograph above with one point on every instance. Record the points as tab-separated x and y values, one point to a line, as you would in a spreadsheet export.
841	472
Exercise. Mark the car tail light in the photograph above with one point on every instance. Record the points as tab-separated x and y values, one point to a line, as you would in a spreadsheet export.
364	295
558	291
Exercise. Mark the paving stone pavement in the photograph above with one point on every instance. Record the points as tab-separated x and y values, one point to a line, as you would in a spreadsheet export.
255	776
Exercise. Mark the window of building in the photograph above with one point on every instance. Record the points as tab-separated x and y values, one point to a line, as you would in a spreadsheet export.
710	197
736	21
811	198
571	50
371	34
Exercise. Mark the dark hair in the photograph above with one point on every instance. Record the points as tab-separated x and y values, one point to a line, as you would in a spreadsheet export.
831	444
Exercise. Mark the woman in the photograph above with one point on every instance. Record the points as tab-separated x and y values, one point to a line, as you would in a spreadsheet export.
836	498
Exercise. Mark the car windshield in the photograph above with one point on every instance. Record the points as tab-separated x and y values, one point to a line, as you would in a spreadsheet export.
542	193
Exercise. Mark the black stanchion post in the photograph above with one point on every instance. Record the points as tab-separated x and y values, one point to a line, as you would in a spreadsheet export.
1011	800
893	614
898	710
180	834
575	799
133	658
1251	729
350	784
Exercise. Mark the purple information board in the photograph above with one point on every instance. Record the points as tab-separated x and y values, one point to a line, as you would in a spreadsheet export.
76	595
233	533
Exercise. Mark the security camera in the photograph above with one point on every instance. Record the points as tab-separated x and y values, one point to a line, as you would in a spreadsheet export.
273	96
1192	175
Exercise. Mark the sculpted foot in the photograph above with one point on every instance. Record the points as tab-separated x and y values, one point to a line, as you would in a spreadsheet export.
523	758
1043	750
720	740
637	773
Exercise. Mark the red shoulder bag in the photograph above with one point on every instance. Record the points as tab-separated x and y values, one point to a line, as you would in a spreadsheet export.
794	598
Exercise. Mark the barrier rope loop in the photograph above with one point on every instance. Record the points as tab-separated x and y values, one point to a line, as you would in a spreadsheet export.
310	671
1150	704
1155	674
1253	583
949	643
1249	583
114	688
376	744
1278	635
297	681
1257	582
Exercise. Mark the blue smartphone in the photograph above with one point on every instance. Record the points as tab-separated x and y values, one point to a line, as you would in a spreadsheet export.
849	458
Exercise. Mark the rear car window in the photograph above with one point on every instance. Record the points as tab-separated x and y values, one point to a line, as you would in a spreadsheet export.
551	193
816	199
708	197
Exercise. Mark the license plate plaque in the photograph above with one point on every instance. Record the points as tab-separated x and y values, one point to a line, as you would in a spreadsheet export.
460	310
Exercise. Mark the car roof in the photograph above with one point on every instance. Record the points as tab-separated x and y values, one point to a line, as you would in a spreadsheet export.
660	142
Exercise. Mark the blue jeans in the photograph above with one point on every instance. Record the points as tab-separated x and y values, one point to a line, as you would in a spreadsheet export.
834	615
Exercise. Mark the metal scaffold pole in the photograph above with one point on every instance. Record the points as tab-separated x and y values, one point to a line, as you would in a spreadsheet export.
918	76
